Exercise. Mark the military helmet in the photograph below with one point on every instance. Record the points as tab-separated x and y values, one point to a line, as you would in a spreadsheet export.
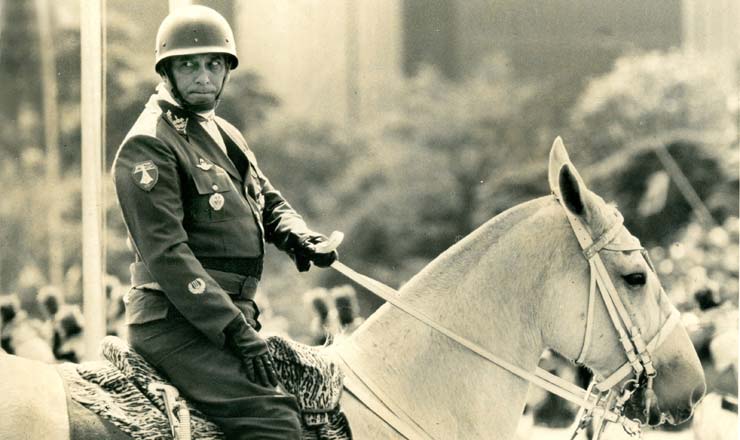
192	30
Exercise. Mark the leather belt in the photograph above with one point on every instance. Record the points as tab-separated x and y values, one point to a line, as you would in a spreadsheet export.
250	267
236	285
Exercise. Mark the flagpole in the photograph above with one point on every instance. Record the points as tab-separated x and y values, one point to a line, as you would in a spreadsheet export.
92	121
51	138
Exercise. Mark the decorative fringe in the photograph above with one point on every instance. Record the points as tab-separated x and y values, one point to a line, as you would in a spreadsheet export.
117	390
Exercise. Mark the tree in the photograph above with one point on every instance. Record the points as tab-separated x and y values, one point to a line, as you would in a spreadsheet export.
659	100
245	101
414	186
650	95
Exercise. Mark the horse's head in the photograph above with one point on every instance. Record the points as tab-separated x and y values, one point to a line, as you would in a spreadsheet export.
590	328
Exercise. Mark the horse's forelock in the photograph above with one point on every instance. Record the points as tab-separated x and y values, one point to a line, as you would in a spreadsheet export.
601	214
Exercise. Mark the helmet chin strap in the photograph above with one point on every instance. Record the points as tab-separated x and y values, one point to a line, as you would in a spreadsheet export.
195	108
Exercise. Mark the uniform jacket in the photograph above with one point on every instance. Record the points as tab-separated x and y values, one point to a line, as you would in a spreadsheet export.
183	200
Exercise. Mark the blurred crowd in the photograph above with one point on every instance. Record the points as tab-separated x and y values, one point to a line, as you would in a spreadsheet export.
51	329
700	274
336	313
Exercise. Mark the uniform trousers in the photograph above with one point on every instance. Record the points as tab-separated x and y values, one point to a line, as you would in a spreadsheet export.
214	379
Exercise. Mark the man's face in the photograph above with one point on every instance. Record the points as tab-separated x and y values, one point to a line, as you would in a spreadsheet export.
199	77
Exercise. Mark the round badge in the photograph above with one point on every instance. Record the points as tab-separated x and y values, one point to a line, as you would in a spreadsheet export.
197	286
216	201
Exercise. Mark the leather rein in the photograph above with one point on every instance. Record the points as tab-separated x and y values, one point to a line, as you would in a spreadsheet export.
596	403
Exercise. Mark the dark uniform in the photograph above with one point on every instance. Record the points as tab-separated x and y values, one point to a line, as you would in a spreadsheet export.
198	219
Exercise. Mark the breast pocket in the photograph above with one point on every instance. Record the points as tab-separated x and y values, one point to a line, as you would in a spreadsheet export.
215	199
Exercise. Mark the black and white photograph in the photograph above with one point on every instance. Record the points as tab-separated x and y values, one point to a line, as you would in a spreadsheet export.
369	219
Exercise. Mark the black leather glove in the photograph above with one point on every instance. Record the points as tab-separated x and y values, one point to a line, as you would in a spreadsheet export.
252	349
305	252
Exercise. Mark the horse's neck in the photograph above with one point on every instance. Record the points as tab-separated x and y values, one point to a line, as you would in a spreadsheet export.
445	388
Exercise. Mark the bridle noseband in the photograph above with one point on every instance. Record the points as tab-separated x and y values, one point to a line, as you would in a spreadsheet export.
598	401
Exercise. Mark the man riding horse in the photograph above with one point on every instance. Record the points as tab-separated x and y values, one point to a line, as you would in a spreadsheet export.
198	211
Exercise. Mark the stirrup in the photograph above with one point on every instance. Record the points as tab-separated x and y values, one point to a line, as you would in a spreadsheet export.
175	408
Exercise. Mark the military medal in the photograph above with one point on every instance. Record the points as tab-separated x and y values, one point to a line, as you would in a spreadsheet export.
216	201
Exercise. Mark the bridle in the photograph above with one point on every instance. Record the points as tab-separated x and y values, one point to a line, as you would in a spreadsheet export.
638	352
598	402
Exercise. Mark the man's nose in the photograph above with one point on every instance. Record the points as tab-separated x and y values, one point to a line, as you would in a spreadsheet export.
202	77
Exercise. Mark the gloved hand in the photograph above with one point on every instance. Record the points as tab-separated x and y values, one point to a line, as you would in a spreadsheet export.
253	351
305	252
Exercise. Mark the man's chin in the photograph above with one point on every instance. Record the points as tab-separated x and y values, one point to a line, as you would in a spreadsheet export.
201	99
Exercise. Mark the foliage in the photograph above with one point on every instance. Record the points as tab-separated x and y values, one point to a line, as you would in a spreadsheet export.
616	150
657	100
24	208
632	184
651	94
245	100
413	185
304	159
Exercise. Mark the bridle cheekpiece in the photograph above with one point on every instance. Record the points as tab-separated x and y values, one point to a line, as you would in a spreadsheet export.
638	352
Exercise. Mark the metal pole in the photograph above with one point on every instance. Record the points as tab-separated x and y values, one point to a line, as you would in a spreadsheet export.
685	187
51	138
91	115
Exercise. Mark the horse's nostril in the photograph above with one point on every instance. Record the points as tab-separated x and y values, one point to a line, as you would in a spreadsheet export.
698	393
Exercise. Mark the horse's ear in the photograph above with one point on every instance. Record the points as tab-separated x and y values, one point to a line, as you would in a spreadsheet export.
571	191
558	158
565	182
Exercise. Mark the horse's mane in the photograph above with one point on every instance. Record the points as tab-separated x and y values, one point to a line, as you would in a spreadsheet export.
466	252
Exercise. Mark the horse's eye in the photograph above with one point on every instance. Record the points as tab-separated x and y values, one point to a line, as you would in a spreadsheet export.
636	279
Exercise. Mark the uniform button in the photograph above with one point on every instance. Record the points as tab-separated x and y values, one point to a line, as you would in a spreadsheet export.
215	187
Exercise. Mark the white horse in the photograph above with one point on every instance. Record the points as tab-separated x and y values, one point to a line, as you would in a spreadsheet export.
516	286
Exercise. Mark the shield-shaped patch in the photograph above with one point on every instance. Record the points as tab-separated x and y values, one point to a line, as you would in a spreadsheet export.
145	175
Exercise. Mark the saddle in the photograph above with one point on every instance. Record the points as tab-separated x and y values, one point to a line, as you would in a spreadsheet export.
124	389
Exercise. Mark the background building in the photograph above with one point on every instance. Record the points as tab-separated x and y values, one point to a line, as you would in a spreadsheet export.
329	60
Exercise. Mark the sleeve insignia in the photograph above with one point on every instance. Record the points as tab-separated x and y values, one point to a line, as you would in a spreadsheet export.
180	124
146	175
197	286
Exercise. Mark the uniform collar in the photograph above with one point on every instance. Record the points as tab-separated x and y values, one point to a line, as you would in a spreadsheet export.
208	116
173	113
186	123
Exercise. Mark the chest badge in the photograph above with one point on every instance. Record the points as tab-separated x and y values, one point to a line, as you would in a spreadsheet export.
216	201
203	165
146	175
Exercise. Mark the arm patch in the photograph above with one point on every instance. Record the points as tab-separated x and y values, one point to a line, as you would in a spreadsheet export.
145	175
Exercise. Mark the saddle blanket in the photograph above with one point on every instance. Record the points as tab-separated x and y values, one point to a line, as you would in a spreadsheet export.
117	389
